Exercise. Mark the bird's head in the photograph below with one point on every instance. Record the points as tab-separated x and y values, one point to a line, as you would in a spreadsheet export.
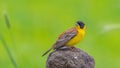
80	25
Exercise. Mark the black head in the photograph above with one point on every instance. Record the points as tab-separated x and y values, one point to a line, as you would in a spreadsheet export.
81	24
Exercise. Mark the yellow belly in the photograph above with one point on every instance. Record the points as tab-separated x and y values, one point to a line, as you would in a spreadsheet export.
76	39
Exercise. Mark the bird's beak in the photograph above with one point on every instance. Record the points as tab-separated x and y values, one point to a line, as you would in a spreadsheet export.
85	28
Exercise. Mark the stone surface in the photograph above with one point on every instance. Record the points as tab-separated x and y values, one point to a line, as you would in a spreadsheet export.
69	58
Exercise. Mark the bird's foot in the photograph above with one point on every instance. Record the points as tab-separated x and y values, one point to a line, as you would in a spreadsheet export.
74	49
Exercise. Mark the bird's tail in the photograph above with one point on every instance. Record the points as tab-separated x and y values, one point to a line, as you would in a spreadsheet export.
47	51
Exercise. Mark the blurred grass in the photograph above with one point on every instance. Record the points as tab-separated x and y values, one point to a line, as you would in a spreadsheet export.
8	51
36	24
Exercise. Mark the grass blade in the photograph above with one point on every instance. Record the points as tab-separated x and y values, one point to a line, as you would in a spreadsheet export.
8	52
7	21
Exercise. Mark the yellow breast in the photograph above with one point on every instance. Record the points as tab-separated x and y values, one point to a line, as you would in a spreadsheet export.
77	38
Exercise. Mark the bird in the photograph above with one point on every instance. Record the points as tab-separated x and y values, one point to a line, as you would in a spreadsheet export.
70	37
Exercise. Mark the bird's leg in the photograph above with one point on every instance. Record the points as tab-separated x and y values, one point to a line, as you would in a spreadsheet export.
73	48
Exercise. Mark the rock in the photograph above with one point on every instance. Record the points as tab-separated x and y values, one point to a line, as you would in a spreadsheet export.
69	58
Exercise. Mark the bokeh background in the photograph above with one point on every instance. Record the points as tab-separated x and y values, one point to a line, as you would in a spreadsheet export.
35	25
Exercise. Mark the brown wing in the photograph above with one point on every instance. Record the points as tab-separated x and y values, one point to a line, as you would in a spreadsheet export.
65	37
62	39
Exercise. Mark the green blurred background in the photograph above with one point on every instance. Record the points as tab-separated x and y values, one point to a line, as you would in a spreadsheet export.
35	25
